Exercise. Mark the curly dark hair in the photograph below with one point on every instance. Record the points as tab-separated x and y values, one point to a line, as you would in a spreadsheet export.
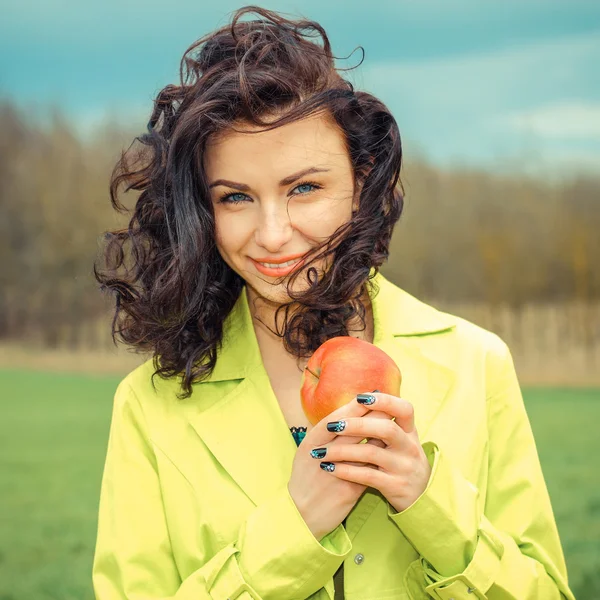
175	290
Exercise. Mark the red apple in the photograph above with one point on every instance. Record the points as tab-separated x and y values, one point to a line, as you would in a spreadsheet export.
341	368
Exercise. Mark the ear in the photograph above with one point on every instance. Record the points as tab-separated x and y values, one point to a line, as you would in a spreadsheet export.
360	180
355	204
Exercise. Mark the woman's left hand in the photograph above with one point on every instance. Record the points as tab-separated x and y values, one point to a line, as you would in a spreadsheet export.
400	471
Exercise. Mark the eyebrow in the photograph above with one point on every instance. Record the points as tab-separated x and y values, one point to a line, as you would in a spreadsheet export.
285	181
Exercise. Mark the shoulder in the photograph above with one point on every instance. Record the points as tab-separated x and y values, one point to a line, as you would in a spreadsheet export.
468	334
147	388
137	378
409	316
452	340
487	341
470	348
472	352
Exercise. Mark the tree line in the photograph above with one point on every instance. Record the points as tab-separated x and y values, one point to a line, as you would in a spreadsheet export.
466	235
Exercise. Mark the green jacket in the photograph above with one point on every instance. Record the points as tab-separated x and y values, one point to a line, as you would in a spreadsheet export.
194	502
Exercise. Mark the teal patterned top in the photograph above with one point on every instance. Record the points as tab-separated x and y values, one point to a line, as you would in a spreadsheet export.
298	433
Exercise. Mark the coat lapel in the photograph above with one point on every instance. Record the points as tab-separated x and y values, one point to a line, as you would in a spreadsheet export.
242	424
244	427
405	329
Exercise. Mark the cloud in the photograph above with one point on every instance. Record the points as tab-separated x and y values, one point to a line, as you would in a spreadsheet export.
493	79
576	120
534	102
482	107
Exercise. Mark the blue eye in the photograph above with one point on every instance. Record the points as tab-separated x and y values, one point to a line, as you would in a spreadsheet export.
316	186
228	198
305	185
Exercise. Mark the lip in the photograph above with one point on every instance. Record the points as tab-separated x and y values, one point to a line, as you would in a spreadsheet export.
277	272
269	259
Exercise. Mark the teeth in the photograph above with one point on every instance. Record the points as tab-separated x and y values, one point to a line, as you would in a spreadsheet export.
279	266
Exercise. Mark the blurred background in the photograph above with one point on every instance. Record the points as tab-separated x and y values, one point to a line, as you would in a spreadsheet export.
498	105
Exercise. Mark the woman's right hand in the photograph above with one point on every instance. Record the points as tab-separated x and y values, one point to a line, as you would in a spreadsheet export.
324	501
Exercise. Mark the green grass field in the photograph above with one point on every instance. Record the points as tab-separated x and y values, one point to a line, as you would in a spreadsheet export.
53	435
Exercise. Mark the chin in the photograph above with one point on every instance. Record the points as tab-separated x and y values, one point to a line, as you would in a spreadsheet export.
272	292
274	289
277	291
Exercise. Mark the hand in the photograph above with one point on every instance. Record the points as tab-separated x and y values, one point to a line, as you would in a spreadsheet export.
323	501
400	470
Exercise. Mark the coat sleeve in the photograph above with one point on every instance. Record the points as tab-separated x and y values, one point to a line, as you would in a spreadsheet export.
275	554
510	552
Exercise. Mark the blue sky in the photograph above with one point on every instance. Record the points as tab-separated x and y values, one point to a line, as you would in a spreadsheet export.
505	84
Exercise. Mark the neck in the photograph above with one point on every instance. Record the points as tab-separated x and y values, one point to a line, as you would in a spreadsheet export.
263	319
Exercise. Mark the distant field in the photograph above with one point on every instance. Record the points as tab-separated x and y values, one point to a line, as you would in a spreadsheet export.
53	434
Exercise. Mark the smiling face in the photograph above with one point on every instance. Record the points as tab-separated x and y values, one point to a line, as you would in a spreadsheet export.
278	194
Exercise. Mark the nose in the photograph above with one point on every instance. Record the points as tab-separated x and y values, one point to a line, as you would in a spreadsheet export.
274	228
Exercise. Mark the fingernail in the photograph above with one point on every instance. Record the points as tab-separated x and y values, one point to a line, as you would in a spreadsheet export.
336	426
327	466
376	390
365	398
318	452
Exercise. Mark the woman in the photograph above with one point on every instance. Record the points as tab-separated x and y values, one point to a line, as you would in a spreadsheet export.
269	193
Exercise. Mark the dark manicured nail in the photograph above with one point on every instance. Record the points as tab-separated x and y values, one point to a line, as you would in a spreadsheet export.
327	466
336	426
318	452
365	398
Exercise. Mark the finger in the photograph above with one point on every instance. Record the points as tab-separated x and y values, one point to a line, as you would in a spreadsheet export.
365	475
401	410
375	442
319	434
375	414
357	454
382	429
348	440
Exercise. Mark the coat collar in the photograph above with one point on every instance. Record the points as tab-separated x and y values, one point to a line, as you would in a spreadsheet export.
242	424
395	313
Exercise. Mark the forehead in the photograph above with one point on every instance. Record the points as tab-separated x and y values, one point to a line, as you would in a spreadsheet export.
315	138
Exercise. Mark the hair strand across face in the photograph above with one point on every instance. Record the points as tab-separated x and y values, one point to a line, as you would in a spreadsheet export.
172	289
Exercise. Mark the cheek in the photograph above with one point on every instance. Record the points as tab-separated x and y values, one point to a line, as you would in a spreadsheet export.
230	230
320	219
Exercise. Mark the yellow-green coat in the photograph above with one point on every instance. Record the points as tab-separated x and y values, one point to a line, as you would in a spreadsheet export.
194	502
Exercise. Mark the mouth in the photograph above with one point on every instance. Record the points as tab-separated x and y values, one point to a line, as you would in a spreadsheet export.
278	270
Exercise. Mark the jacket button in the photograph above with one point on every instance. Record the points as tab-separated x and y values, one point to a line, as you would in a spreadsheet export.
358	559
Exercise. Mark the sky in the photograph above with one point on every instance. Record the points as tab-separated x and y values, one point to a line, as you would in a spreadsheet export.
510	84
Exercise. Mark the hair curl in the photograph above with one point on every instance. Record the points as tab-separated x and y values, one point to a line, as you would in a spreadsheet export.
175	295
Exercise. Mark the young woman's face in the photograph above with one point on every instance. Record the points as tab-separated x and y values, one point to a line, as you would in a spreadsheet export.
266	209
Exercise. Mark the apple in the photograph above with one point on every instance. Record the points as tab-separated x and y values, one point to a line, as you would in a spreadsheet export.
341	368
